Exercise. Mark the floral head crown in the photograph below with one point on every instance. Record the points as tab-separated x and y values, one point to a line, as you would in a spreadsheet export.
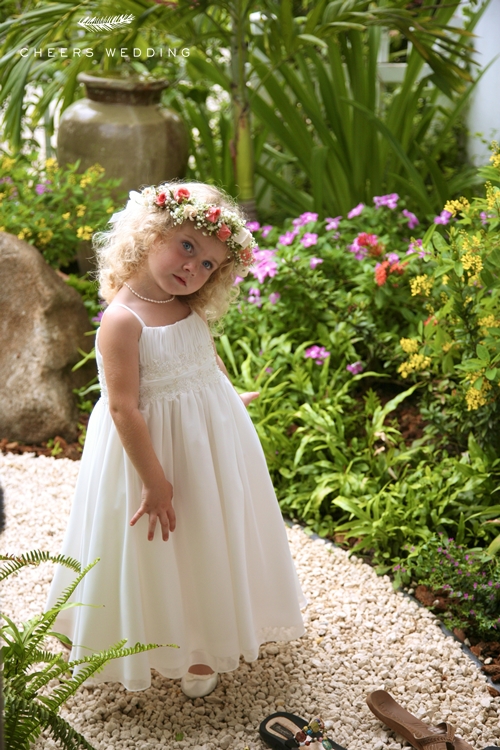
227	226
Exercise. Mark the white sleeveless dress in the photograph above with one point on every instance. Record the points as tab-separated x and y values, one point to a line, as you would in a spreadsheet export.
225	582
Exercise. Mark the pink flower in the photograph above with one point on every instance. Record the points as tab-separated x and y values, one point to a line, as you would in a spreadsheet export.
390	200
355	368
414	246
212	214
160	199
315	262
309	239
265	230
274	297
332	223
237	280
443	218
181	194
41	189
355	211
307	217
253	226
412	219
288	237
318	353
254	296
223	232
393	257
265	265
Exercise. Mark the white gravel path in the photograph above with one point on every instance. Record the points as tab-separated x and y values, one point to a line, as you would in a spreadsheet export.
361	636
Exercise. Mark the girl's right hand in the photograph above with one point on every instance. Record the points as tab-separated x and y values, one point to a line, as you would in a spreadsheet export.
156	501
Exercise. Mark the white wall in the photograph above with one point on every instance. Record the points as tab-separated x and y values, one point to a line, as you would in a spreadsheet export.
484	112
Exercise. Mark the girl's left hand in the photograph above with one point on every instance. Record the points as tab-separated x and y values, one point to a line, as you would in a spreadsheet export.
248	397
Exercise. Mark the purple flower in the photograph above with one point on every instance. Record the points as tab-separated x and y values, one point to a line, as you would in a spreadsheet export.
474	585
332	223
443	218
318	353
412	219
97	318
266	229
254	296
355	211
274	297
490	583
392	258
466	595
315	262
238	280
288	237
253	226
309	239
305	219
391	200
265	264
355	368
269	370
360	251
41	189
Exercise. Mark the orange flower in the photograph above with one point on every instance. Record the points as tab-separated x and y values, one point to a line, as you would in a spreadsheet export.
381	272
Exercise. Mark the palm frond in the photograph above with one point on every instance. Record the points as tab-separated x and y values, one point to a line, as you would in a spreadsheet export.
105	24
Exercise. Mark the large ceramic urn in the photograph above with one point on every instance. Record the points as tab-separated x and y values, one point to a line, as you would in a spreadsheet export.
121	126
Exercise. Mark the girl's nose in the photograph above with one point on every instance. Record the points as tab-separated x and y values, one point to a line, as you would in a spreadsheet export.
191	266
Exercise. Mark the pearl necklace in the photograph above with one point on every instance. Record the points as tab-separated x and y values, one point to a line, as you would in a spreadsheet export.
146	299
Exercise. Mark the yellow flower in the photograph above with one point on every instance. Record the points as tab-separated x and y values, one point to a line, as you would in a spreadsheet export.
410	346
110	210
495	157
50	163
8	163
2	229
84	233
25	232
447	346
454	207
45	236
489	321
476	397
66	215
85	181
421	285
2	196
472	262
80	210
414	364
41	222
492	196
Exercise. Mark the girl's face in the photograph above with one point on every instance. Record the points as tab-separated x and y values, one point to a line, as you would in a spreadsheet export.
181	263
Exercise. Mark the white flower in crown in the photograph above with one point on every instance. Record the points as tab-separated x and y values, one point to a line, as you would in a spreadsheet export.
190	212
148	197
243	237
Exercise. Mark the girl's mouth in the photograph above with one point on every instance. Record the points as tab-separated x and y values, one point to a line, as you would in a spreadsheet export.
179	280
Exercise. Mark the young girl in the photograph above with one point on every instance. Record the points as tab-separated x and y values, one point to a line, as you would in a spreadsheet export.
173	494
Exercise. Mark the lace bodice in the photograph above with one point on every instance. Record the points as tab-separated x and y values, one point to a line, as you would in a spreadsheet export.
173	359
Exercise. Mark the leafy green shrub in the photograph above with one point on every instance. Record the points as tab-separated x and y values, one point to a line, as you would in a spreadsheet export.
52	207
457	349
28	666
467	579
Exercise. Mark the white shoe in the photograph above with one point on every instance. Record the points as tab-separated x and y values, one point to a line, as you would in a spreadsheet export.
198	685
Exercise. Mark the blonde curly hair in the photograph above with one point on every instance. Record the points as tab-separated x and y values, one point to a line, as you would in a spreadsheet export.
122	250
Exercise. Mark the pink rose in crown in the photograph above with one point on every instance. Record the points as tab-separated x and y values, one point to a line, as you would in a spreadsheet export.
161	198
212	214
223	233
181	194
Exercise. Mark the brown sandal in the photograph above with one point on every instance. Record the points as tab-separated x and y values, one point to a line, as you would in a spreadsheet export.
422	736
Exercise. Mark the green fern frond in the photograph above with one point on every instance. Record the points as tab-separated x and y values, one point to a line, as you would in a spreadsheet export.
71	588
14	563
25	720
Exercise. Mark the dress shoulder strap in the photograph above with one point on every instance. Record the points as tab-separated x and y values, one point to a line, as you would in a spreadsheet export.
119	304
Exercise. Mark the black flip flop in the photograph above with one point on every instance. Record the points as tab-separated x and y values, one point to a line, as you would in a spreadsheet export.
283	730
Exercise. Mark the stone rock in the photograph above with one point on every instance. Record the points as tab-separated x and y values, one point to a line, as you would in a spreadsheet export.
42	326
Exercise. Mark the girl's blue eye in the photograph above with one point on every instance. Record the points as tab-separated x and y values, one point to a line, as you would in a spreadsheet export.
189	245
207	264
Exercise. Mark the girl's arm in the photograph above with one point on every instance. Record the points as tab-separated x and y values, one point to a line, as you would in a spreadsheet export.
119	345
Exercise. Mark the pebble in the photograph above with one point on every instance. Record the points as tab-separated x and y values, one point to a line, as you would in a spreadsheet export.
360	636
